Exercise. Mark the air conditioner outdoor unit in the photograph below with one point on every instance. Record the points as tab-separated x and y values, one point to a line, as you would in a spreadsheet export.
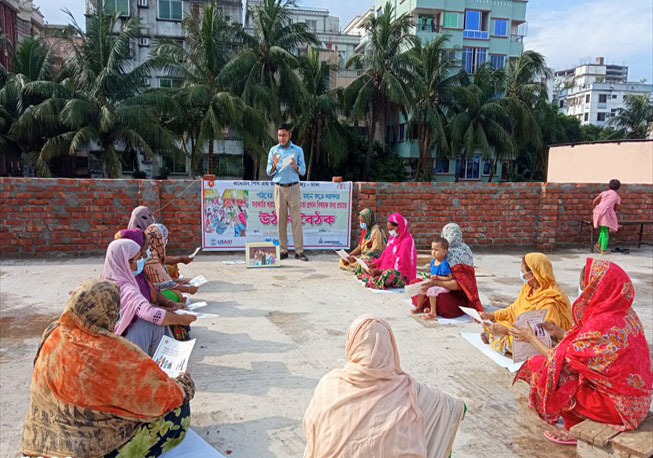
144	41
142	3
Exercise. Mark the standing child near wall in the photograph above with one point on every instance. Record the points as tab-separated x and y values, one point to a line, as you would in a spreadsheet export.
605	216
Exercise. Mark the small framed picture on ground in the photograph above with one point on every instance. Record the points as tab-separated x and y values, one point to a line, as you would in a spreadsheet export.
262	254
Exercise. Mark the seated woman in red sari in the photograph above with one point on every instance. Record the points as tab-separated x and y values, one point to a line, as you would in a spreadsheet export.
601	369
462	288
397	265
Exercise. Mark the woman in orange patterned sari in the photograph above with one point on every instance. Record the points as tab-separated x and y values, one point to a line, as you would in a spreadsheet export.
601	370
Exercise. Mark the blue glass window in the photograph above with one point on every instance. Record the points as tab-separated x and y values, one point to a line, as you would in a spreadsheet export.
442	166
501	27
472	58
497	61
472	20
471	168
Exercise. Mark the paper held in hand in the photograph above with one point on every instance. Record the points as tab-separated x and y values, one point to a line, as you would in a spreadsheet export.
363	265
343	254
521	351
198	281
286	161
197	250
474	314
172	355
414	289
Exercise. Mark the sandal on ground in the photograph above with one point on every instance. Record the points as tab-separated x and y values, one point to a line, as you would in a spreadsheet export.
552	436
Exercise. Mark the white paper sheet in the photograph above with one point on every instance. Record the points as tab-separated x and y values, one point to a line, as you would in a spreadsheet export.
172	355
199	315
343	254
196	305
387	291
286	161
414	289
363	265
198	281
197	250
521	351
475	315
191	447
233	263
475	340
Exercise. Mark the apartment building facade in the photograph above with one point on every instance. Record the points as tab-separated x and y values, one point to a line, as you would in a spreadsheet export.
595	92
19	19
480	32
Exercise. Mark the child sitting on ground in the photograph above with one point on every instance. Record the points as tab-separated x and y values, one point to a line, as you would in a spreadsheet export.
439	270
605	216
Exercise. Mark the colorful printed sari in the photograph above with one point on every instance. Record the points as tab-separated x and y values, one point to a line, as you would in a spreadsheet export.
371	243
99	387
602	369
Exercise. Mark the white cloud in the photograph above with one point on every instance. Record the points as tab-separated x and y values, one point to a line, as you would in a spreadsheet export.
579	30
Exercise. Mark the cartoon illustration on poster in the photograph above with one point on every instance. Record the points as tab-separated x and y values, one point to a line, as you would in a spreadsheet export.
237	212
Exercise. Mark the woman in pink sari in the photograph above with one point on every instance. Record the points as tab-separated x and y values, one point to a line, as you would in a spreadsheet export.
397	265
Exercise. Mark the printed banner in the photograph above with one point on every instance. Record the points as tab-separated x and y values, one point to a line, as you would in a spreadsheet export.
237	212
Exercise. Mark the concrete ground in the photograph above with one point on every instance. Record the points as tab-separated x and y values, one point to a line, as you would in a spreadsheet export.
280	330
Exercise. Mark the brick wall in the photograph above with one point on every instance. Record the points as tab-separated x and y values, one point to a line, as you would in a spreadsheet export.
81	216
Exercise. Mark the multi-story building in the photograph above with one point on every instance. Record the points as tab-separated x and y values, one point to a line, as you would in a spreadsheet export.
479	31
162	19
595	92
335	46
19	19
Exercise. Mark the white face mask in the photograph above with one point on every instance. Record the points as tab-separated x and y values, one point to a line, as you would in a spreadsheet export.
580	291
522	276
393	233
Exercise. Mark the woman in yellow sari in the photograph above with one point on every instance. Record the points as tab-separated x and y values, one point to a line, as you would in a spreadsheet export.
372	242
540	291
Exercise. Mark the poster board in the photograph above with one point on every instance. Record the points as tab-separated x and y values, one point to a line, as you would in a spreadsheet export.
236	212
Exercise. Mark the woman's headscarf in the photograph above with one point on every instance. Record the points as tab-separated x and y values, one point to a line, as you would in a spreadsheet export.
549	295
141	218
368	408
116	269
138	236
370	221
606	348
81	364
459	252
400	253
155	268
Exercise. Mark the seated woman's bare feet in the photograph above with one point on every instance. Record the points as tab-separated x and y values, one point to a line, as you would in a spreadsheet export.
560	436
426	310
429	316
416	310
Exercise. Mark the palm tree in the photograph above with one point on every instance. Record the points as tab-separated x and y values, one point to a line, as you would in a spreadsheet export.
635	117
208	109
384	88
482	121
263	72
435	79
317	125
101	105
524	86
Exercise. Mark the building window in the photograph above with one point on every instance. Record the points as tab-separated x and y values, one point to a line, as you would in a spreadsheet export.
428	23
442	166
472	58
562	103
501	27
471	168
600	116
169	82
402	132
176	165
603	98
587	98
476	24
170	10
497	62
614	96
451	20
587	116
117	6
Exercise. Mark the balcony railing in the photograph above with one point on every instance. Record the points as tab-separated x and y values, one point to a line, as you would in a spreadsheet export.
517	38
478	34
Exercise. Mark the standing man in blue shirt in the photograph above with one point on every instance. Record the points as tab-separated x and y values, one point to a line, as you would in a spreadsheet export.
285	165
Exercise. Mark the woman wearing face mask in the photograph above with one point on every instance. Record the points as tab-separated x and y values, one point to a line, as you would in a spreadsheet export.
397	265
601	369
140	322
540	291
372	241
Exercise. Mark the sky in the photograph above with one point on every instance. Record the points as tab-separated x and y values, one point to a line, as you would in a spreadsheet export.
567	32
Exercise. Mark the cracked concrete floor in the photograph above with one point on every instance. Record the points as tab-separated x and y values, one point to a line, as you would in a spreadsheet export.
280	330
